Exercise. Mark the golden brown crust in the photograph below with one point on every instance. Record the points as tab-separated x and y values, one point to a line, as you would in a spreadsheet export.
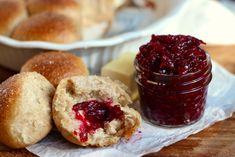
69	8
56	66
47	26
37	6
9	93
12	12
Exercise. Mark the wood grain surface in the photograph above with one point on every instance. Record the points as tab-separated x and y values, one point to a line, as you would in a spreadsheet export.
215	141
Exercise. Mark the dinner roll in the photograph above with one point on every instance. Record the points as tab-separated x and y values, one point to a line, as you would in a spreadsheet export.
146	3
12	12
96	16
47	26
25	109
93	111
56	65
120	3
69	8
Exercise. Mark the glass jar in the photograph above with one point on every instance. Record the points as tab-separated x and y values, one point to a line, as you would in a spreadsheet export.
173	100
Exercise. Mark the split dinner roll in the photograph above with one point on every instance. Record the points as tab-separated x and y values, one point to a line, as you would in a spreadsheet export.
47	26
12	12
69	8
93	111
25	109
56	65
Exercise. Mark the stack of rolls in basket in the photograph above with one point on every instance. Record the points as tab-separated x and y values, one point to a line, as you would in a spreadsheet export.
59	21
56	86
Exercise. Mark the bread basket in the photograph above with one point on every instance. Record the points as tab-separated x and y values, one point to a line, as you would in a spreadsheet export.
95	53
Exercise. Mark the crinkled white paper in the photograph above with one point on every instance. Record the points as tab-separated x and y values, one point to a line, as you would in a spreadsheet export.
149	138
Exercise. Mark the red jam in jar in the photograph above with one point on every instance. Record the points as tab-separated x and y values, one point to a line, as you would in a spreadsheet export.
173	74
94	114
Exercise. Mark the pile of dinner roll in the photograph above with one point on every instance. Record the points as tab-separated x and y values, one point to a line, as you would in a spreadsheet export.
58	21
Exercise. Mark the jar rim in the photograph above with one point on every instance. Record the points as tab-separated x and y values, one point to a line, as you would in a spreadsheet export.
172	76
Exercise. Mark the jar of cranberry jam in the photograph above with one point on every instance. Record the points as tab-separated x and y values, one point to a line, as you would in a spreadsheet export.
173	73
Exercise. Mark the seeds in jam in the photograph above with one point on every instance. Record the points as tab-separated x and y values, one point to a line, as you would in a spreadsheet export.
172	54
93	115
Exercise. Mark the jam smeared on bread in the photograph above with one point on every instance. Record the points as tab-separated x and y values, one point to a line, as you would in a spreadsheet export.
93	115
94	111
172	55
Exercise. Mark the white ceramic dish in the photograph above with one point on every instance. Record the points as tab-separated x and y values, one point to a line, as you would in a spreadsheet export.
95	53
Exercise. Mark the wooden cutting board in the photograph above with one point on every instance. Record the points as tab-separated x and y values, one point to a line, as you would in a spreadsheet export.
217	140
